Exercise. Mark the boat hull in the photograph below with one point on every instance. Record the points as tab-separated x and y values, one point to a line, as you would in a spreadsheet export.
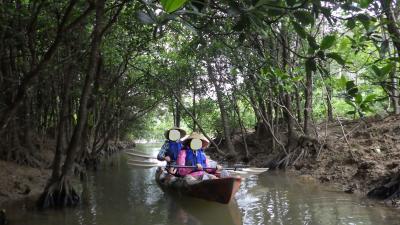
220	190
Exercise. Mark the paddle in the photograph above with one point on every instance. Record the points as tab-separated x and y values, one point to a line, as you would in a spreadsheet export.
237	170
140	155
247	169
240	169
144	162
142	165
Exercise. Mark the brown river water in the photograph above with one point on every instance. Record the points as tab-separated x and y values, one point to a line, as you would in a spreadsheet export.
119	195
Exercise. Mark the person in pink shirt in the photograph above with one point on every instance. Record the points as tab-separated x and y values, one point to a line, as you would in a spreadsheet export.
192	155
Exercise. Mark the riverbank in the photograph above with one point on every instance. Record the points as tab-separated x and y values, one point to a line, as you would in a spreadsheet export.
21	182
360	156
25	183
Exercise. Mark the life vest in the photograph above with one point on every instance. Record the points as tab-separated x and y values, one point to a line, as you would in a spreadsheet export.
173	150
192	159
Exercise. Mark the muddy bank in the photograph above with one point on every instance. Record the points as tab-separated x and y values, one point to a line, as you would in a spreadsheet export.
361	156
21	183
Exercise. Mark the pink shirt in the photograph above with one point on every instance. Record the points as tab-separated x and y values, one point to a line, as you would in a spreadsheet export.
187	171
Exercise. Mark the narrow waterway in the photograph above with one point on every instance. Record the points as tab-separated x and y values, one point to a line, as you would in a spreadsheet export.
120	195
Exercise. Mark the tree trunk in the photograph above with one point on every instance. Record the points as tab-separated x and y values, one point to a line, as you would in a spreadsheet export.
263	112
63	118
394	32
288	117
287	98
194	103
61	193
298	104
177	113
308	102
329	102
223	111
86	90
394	92
243	131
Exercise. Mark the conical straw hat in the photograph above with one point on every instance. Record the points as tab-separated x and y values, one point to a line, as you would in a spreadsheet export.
196	135
181	131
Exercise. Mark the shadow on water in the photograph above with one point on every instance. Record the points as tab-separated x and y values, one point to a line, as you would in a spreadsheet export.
186	210
119	195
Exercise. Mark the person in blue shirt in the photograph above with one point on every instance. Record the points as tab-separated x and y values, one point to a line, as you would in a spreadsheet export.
172	145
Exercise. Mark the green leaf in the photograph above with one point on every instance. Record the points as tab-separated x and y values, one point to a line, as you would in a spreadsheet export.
350	103
323	71
242	23
335	56
387	69
327	42
376	70
275	12
172	5
358	99
290	2
348	6
364	19
342	82
351	112
366	108
145	18
370	98
297	79
321	54
199	5
384	47
311	65
364	3
299	29
351	23
263	2
326	11
351	88
312	43
304	17
350	85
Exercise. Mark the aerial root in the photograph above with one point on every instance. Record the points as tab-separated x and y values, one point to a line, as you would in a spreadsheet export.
59	194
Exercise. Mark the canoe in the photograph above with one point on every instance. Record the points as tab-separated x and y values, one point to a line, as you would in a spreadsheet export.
220	190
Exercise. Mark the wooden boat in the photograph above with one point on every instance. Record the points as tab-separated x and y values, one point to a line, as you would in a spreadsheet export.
220	190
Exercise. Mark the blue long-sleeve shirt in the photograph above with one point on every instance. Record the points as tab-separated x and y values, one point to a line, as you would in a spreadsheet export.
163	150
170	149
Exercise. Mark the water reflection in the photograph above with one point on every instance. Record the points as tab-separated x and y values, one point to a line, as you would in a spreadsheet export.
185	210
119	195
277	199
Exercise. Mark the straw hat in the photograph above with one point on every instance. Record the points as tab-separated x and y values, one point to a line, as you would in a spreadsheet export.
196	135
181	131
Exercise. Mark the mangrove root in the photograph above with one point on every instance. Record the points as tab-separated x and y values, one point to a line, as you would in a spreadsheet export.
59	194
3	220
390	189
22	156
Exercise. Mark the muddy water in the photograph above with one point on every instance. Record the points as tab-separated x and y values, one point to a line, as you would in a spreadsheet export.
120	195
